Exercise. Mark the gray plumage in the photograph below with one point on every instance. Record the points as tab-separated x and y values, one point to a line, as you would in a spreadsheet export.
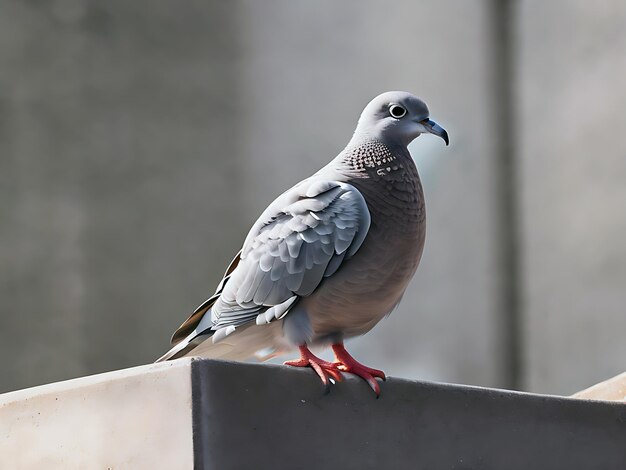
331	256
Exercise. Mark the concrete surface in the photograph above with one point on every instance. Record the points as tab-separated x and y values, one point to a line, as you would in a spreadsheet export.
571	65
613	389
118	153
209	414
136	418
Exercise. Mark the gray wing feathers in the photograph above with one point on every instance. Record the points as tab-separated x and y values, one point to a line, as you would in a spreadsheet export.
302	237
190	325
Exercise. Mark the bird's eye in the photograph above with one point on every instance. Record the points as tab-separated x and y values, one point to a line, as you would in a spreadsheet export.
397	111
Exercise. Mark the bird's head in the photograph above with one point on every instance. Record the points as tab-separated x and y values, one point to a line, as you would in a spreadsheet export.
397	117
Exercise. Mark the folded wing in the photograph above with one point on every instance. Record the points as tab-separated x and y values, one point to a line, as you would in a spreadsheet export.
302	237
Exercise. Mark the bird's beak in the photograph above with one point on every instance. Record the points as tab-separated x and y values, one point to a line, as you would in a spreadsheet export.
435	129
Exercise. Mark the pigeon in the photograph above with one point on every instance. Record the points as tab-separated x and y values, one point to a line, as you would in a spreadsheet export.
329	258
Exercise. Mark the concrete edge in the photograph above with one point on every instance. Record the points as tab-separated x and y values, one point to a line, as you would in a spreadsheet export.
115	375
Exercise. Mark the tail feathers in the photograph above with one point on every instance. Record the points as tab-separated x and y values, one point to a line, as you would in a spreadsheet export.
182	348
248	341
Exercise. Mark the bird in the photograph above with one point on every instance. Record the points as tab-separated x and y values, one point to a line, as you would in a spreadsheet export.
329	258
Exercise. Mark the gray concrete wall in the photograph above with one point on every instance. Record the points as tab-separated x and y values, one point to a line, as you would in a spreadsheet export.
139	140
571	115
119	153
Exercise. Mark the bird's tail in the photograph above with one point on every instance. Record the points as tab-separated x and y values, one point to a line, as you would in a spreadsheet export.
248	341
182	348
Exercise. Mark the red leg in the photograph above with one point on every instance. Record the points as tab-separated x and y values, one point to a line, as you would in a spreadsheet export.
346	363
323	368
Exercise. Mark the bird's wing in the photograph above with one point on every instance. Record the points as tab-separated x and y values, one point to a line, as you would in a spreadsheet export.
301	238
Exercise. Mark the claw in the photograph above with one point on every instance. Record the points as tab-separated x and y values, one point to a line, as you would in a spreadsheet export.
346	363
324	369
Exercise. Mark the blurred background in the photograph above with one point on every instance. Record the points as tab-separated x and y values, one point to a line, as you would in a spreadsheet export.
140	140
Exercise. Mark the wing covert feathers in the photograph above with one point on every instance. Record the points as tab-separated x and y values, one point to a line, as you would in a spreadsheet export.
302	237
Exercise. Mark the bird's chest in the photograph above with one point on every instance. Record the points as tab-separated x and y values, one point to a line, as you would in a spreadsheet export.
393	246
395	240
395	199
372	282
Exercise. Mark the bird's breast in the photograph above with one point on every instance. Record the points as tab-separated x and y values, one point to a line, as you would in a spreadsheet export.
371	283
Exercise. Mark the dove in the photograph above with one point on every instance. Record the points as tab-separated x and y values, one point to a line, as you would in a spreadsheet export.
328	258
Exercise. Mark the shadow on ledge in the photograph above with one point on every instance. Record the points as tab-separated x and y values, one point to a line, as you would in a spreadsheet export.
261	416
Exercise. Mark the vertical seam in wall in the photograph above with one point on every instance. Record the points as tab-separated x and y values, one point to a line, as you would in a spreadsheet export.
504	55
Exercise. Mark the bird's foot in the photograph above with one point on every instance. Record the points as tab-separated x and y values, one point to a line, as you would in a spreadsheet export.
346	363
324	369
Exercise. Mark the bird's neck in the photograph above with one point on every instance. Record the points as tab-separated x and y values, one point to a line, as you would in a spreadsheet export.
366	157
387	178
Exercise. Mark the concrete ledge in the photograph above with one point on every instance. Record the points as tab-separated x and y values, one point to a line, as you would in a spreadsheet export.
278	418
213	414
613	389
134	418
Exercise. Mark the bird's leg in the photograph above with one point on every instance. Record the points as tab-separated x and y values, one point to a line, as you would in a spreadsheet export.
323	368
346	363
